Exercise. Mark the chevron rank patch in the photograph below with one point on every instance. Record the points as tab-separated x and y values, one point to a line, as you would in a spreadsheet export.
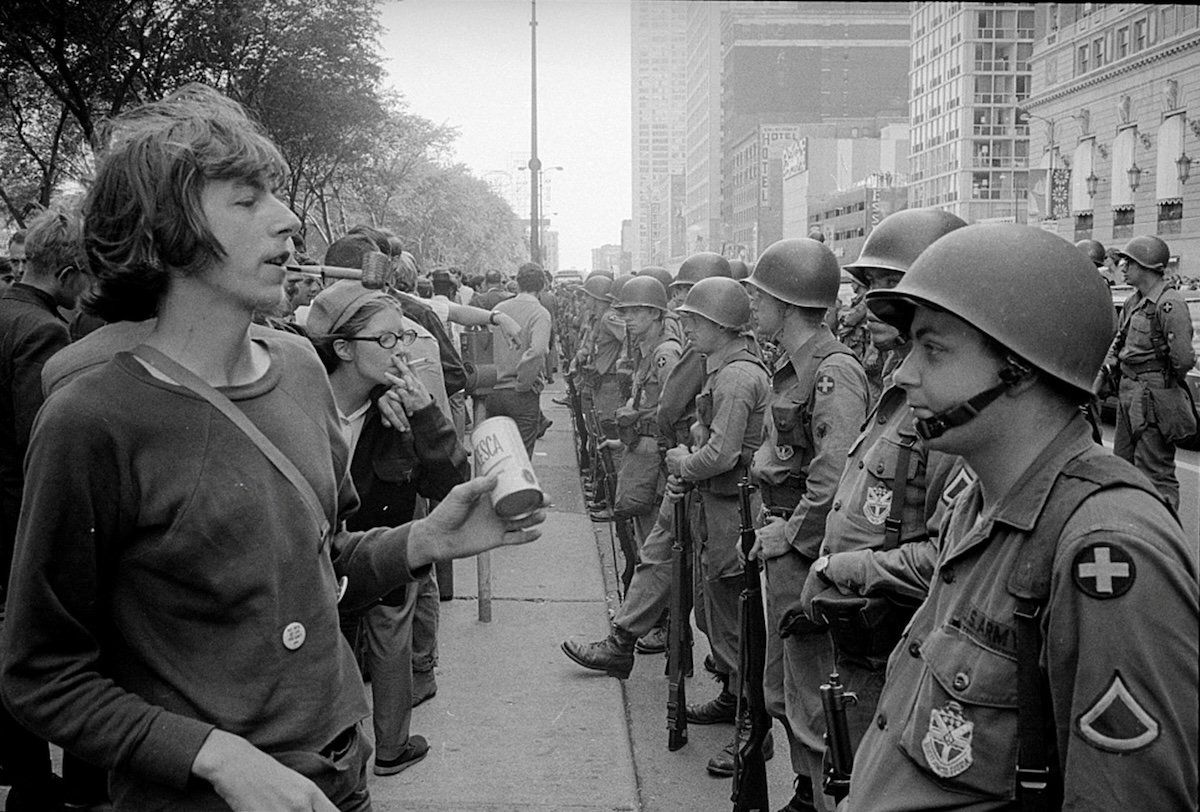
1103	571
1116	722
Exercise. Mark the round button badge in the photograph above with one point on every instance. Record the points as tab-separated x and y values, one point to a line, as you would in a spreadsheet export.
293	636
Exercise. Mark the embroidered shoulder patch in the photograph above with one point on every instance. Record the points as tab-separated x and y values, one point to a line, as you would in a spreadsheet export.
1116	722
824	384
662	361
1166	307
1103	571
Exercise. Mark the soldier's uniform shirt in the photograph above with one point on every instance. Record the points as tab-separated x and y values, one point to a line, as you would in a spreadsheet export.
818	403
654	356
607	341
1175	321
735	397
1119	647
865	497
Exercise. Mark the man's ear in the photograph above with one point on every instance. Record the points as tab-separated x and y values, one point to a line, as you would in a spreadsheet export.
342	349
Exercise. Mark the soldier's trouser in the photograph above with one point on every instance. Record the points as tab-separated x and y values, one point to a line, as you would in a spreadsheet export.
650	589
718	577
795	669
426	617
1138	441
388	631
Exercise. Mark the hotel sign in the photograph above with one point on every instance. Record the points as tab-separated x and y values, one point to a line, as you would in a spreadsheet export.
768	137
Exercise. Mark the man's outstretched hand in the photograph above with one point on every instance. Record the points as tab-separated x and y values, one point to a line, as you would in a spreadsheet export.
464	524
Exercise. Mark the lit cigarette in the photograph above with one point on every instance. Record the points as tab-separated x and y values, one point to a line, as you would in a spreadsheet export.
418	362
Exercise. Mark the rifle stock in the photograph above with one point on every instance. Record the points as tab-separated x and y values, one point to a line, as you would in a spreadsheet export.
749	765
582	455
840	763
679	645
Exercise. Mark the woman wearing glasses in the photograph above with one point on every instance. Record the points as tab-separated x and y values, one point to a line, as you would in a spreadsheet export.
402	445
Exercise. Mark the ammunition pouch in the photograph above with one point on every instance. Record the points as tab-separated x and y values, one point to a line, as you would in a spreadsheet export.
783	496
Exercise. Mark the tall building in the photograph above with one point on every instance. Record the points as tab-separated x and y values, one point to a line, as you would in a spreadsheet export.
1115	115
784	65
702	211
607	258
970	71
659	99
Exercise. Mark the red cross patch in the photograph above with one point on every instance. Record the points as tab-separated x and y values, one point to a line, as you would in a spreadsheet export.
1103	571
825	384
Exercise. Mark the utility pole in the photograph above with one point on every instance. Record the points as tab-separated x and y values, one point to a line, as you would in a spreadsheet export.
535	165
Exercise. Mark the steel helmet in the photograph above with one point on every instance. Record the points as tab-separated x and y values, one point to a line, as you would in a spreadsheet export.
597	287
1147	251
661	274
1032	292
618	283
642	291
701	266
817	234
798	271
1093	250
721	300
607	274
738	269
900	238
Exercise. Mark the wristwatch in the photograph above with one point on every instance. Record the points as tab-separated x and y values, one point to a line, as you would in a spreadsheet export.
492	318
818	569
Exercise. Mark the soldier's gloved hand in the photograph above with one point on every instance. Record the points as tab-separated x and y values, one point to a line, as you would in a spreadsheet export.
612	443
771	540
675	457
626	415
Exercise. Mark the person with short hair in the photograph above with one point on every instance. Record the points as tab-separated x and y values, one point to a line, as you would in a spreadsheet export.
1054	663
32	329
16	253
176	581
518	388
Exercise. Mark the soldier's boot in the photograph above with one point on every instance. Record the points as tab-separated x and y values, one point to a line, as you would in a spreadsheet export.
721	765
802	800
719	710
613	655
652	642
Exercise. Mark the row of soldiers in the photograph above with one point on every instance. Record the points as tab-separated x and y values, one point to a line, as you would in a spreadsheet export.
1046	571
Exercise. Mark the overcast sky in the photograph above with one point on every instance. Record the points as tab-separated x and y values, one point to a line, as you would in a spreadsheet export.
466	63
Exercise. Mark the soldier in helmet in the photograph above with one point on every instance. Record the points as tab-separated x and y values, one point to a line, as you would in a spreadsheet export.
1094	250
1150	356
642	303
818	402
1054	662
889	501
649	591
729	428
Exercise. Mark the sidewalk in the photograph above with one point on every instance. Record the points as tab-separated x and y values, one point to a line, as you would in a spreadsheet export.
513	727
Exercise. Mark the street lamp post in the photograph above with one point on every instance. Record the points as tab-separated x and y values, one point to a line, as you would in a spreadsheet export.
535	165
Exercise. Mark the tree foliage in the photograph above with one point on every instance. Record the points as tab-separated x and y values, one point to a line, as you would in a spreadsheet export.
309	69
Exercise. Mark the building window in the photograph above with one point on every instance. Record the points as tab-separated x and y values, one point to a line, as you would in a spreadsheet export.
1122	42
1170	216
1123	223
1097	52
1166	22
1139	35
1083	227
1081	61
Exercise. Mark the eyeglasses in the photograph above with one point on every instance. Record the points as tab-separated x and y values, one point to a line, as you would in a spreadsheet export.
388	339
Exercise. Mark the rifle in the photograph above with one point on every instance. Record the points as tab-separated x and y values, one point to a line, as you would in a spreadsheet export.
582	454
834	699
679	633
749	766
623	525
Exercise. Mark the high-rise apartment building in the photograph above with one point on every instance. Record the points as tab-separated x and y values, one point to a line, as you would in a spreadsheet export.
970	72
784	65
659	99
1114	106
702	212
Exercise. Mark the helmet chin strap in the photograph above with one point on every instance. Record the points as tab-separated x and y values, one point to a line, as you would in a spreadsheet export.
933	427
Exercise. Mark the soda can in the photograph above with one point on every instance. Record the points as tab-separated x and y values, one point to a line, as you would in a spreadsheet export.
497	447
